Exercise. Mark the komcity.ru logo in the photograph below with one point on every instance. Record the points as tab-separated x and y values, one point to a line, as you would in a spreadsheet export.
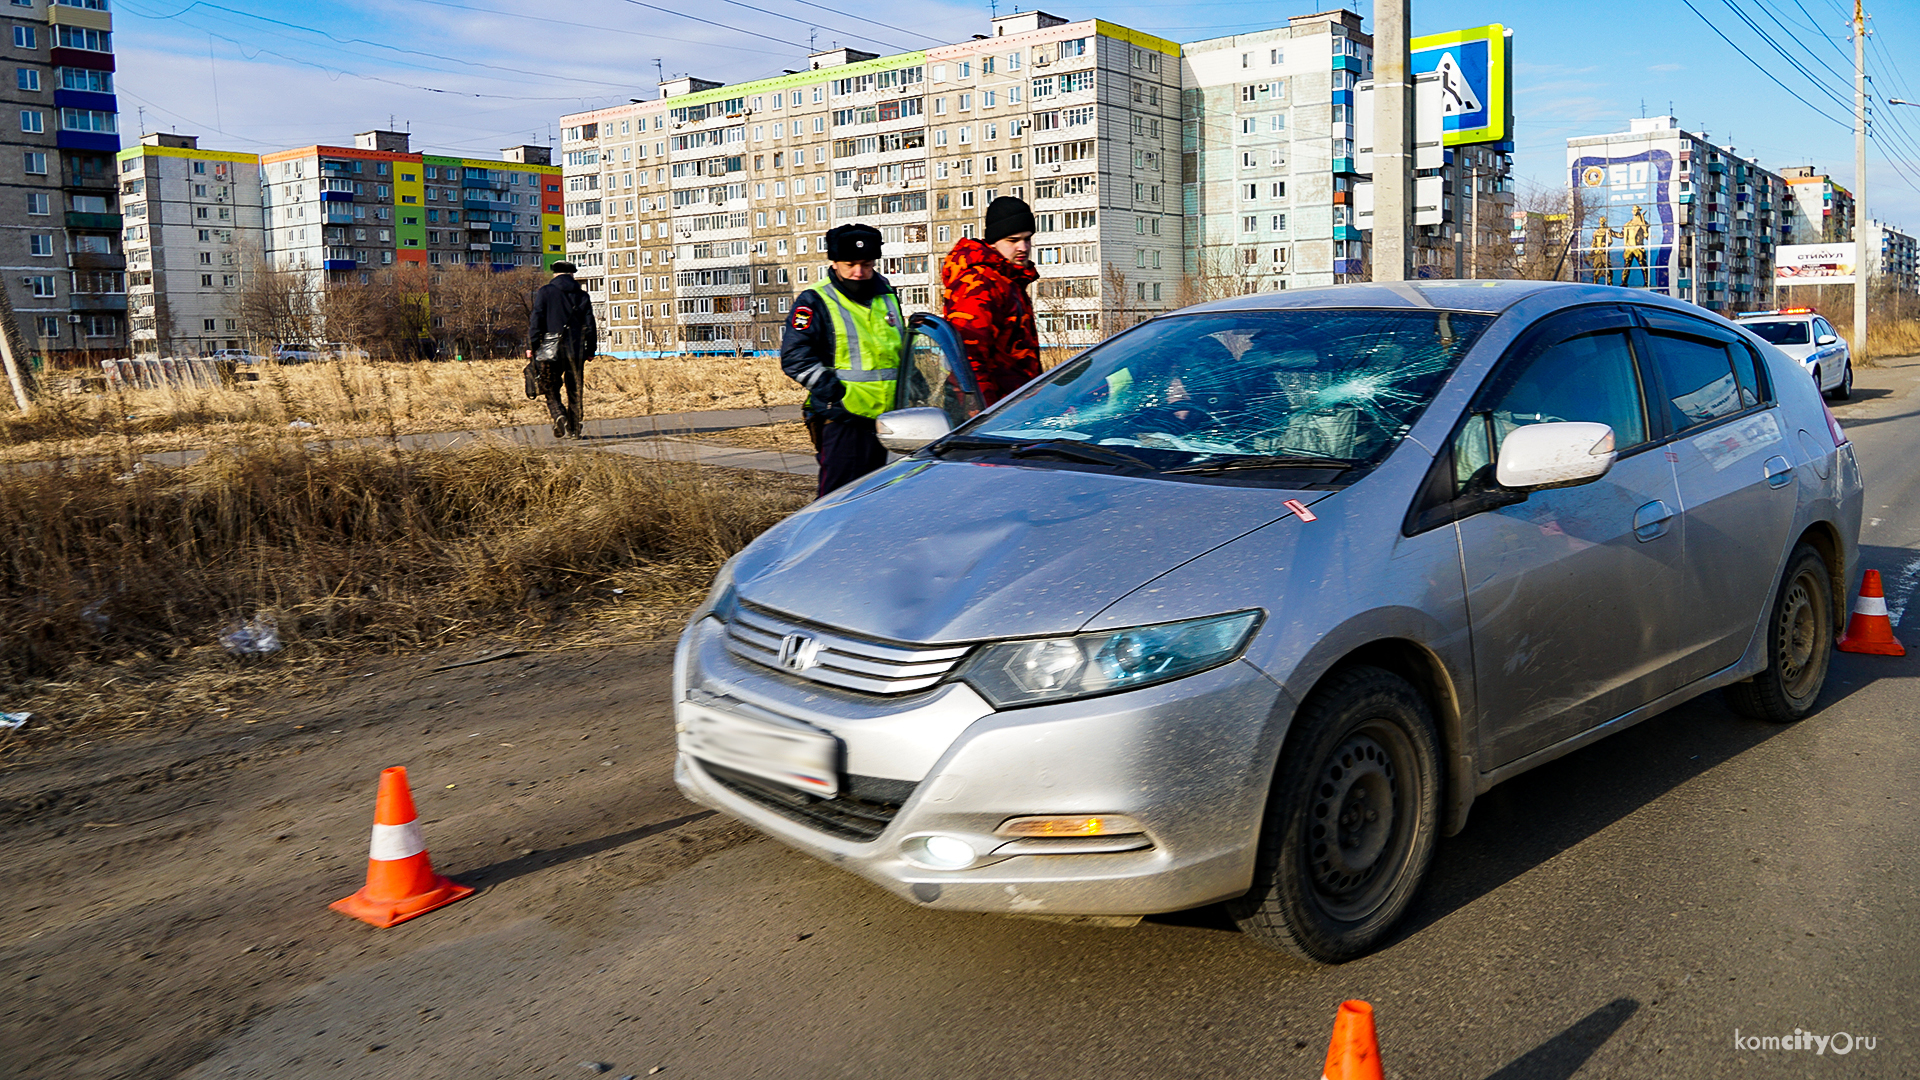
1839	1042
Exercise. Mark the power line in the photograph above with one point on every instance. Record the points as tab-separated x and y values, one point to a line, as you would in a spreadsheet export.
371	44
1795	38
1762	68
547	21
1784	55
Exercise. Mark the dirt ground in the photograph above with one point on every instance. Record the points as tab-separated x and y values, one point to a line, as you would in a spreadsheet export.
159	891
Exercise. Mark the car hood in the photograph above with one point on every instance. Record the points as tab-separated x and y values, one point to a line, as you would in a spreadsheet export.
935	552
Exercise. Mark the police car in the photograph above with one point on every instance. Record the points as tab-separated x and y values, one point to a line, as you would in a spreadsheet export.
1802	334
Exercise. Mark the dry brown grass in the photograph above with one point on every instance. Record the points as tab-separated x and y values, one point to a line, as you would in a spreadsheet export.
790	438
358	398
110	577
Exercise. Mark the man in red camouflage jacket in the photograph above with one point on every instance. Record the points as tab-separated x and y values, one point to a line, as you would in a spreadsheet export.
983	293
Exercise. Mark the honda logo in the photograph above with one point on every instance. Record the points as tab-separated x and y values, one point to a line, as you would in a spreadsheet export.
798	652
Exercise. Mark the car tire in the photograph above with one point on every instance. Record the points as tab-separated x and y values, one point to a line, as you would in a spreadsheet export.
1845	390
1350	822
1798	638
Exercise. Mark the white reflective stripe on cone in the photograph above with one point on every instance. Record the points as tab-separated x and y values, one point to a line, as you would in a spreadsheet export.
1870	605
392	842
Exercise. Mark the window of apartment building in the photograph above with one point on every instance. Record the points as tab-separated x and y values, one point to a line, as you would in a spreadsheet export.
1279	223
40	244
83	37
1278	189
206	281
1250	223
32	121
36	163
29	78
38	202
1246	159
73	78
966	102
89	120
208	324
43	285
49	326
25	38
206	258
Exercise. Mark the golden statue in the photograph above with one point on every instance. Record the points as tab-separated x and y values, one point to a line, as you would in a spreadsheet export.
1600	255
1634	233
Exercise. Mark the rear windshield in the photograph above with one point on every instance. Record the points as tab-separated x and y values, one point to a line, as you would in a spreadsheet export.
1796	332
1338	386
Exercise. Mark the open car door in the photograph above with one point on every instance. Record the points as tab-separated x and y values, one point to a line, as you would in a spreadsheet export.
937	374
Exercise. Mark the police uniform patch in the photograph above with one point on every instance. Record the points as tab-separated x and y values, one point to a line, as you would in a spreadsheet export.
802	318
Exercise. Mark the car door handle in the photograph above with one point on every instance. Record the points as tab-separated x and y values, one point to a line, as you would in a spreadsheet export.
1650	521
1779	472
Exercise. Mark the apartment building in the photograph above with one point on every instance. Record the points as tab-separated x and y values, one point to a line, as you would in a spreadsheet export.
697	216
193	230
1821	210
1667	210
348	212
60	224
1893	258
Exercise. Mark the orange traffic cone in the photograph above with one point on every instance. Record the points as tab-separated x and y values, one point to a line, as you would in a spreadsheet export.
1870	631
400	878
1353	1054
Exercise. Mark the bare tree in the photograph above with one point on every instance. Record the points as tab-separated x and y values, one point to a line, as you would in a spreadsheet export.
280	306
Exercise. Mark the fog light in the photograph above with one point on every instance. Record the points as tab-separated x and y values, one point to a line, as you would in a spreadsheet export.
1071	825
941	852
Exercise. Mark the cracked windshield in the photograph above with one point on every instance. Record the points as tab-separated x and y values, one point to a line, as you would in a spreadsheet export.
1238	390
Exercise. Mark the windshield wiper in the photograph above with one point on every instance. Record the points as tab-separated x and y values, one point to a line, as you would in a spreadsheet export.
1265	461
969	442
1079	451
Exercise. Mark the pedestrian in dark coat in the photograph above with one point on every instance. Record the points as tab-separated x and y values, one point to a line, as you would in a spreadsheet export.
561	335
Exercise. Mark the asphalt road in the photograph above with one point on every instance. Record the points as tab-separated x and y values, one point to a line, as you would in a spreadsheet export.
1626	911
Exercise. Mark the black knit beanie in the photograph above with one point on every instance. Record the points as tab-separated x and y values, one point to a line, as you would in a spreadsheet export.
1006	216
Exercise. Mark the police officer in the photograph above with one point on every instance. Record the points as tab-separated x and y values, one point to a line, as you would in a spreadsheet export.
844	342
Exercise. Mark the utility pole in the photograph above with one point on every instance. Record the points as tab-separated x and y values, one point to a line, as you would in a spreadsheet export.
1860	264
1392	142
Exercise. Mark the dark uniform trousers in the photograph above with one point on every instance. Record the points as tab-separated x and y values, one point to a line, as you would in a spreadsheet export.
847	449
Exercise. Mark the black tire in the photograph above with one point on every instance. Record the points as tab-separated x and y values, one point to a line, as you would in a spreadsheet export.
1845	389
1799	643
1350	822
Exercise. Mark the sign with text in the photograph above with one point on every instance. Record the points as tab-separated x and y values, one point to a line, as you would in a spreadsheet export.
1813	264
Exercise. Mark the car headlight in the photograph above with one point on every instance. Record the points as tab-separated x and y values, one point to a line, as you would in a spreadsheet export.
1016	673
721	597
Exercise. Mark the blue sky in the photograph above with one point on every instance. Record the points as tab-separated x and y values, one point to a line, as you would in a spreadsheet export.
471	76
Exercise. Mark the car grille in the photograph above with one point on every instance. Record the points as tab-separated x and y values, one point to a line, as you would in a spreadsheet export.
848	662
847	815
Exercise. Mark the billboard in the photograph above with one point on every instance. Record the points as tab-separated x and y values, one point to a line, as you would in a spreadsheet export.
1813	264
1475	72
1632	225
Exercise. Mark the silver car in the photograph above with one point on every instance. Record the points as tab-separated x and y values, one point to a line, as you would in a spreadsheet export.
1249	602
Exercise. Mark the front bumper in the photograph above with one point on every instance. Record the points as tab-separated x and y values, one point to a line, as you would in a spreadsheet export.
1190	760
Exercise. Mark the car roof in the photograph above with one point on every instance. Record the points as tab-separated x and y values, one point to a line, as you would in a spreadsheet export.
1440	294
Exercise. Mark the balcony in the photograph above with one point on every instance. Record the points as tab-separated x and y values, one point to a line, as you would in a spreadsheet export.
479	247
94	260
338	264
99	301
339	217
336	196
86	180
77	220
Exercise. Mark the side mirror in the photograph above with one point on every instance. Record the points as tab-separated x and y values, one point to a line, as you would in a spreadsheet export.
905	430
1825	339
1554	455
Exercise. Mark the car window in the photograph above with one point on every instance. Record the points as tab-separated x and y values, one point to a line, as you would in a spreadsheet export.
1333	384
1590	378
1788	332
1699	380
1822	328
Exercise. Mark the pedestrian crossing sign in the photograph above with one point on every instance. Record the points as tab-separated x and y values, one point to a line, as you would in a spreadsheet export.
1475	74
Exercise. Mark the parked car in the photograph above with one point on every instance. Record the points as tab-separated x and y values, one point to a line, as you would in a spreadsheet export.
1248	603
237	356
1802	334
295	354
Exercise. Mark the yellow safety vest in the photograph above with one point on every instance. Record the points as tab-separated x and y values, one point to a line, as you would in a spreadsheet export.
868	342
